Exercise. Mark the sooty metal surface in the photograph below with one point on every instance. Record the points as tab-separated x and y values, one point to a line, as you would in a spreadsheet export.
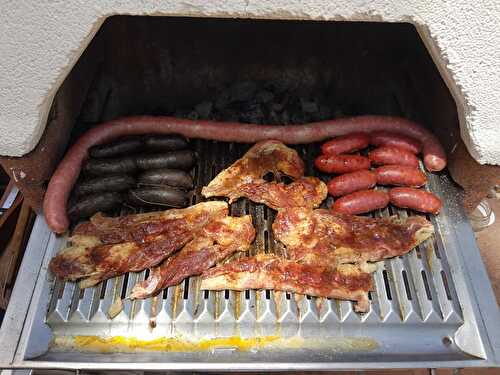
421	314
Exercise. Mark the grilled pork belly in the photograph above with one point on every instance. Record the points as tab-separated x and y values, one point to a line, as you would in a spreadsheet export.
108	247
215	242
265	271
244	178
321	236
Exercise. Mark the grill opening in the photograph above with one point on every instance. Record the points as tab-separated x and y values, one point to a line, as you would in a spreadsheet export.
387	285
407	286
426	285
103	288
124	285
446	286
186	288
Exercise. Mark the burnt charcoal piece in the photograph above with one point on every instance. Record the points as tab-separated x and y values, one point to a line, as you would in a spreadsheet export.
264	96
242	91
204	110
308	106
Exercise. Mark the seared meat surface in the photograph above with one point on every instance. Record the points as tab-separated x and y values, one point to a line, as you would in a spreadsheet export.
322	236
328	255
215	242
108	247
265	271
245	178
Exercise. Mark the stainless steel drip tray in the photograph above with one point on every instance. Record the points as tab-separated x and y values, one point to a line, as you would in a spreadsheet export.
433	307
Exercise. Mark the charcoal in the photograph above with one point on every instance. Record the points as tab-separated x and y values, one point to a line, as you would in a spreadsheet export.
204	110
223	100
308	106
285	117
324	113
264	96
252	113
193	115
273	118
241	91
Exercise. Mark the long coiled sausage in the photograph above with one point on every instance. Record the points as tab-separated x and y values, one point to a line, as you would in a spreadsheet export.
68	170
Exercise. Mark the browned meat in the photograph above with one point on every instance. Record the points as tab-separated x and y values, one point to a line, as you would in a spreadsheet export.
244	178
137	227
322	236
214	243
305	192
109	247
264	271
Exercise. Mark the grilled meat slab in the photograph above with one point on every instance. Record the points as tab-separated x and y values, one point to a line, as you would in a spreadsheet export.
138	226
321	236
215	242
244	178
108	247
265	271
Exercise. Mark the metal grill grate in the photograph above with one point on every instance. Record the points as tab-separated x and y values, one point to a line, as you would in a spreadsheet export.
415	290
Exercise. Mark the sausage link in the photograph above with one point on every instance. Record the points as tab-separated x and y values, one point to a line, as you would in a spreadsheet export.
94	203
361	202
68	170
416	199
182	159
120	147
384	138
346	143
341	163
392	155
351	182
400	175
107	183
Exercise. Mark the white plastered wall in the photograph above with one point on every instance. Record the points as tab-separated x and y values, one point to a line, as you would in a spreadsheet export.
41	40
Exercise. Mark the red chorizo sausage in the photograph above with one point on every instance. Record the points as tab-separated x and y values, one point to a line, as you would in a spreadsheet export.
341	163
67	172
392	155
351	182
416	199
361	202
385	138
346	143
400	175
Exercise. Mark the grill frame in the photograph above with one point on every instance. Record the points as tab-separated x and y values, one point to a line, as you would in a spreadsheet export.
478	305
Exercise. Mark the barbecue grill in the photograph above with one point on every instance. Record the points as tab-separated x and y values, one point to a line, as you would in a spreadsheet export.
430	308
433	307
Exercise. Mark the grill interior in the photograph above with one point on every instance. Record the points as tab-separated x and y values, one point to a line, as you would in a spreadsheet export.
413	292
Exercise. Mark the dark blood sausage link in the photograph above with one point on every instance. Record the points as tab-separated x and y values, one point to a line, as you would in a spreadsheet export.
341	163
158	196
183	159
346	143
400	175
387	155
384	138
99	167
94	203
102	184
68	170
351	182
416	199
171	177
361	202
117	148
169	142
